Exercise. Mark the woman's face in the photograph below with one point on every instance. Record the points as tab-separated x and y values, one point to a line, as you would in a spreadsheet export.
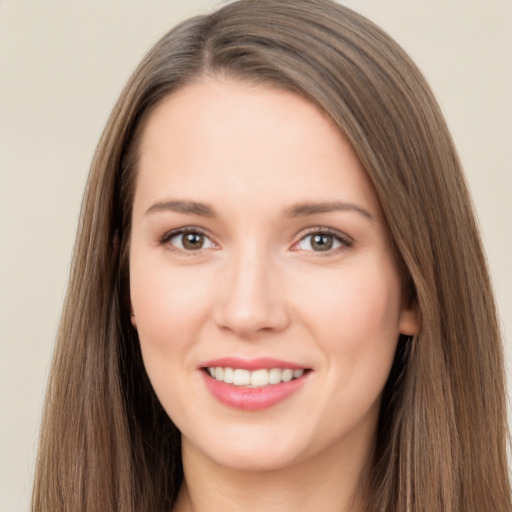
259	249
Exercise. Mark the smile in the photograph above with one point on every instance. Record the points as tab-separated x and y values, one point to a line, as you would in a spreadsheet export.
253	379
253	385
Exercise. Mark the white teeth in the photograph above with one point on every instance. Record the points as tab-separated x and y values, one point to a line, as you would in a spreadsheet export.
274	375
241	377
228	375
256	378
259	378
287	375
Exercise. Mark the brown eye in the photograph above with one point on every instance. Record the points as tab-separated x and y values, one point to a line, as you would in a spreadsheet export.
323	242
191	241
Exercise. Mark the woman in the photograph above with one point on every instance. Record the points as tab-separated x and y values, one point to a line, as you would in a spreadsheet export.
279	297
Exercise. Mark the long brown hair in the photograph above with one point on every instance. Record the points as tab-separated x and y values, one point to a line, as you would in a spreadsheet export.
106	443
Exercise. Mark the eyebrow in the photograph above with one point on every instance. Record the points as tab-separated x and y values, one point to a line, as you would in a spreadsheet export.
186	207
297	210
304	209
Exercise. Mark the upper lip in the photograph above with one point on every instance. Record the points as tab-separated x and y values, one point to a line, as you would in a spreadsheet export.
251	364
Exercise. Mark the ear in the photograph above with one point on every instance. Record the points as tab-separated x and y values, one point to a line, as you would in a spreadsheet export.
132	317
409	323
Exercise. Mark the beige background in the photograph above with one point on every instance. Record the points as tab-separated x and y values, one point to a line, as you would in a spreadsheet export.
62	65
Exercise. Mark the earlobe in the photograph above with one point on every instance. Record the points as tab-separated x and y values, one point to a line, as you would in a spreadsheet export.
132	317
409	321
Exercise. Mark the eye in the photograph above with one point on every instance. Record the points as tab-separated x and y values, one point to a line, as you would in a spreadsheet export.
189	240
323	241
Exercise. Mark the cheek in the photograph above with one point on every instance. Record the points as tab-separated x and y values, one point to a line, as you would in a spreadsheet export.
355	324
355	318
169	306
170	310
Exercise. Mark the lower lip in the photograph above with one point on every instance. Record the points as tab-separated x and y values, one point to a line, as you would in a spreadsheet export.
252	399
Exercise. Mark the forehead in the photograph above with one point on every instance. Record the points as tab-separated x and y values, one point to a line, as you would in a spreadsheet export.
233	142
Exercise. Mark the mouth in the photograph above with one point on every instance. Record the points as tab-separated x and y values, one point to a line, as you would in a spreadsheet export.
252	385
253	378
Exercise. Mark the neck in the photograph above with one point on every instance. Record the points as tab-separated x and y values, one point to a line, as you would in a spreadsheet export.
328	482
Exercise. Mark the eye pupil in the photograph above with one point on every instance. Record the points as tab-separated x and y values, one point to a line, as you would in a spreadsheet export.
193	241
321	242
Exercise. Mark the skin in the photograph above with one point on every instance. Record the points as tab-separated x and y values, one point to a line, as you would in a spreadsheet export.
258	287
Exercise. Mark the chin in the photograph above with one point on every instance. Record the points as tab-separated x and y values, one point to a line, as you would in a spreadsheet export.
251	451
255	461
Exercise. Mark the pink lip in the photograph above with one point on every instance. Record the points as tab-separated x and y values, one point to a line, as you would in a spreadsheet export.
252	399
251	364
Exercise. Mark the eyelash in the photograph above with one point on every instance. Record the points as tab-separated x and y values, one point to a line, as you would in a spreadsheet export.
167	237
345	241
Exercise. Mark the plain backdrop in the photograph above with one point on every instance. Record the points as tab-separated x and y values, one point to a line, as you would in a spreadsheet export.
63	64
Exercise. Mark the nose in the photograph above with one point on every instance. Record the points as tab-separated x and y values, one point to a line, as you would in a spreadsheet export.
252	300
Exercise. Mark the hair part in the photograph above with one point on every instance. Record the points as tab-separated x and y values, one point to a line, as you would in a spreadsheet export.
107	444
